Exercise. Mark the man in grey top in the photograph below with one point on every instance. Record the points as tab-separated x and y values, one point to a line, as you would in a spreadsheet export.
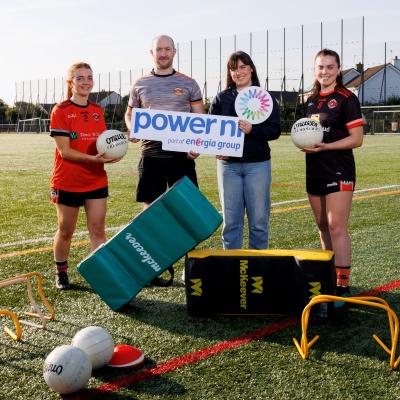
163	89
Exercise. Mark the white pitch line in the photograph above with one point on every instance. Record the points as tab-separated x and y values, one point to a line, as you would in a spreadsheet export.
117	228
282	203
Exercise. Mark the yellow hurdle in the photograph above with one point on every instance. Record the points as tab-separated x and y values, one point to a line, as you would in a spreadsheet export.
36	311
377	302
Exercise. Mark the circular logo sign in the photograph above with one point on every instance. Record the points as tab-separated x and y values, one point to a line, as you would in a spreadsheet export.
253	104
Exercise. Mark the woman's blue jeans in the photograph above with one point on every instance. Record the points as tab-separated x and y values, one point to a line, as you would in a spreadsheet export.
245	187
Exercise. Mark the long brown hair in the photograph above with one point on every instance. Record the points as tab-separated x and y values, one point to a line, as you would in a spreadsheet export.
70	74
232	64
339	79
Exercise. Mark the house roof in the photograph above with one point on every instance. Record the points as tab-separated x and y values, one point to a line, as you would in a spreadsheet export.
346	71
368	73
47	107
99	96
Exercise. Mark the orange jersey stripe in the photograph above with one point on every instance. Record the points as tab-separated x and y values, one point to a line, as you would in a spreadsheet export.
356	122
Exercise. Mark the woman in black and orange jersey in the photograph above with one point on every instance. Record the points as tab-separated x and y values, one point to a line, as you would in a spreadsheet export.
79	178
330	167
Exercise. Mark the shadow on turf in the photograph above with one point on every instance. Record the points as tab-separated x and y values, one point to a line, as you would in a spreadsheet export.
158	386
350	331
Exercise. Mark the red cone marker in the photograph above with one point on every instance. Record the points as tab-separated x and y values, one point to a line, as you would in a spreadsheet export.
126	356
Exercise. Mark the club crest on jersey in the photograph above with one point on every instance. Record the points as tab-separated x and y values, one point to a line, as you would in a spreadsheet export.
178	91
332	103
96	116
73	135
54	195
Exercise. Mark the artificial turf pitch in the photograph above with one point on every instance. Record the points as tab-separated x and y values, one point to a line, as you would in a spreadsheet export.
201	358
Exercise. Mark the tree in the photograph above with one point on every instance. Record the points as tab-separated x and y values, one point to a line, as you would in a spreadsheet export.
114	114
3	111
393	101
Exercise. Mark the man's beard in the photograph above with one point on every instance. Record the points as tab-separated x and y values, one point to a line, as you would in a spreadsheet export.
164	64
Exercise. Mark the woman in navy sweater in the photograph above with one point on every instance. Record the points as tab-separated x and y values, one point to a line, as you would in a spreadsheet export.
244	182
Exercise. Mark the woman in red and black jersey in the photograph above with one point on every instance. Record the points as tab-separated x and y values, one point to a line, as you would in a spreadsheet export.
330	167
79	178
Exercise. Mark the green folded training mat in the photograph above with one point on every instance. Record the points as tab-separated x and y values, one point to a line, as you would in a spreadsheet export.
155	239
257	282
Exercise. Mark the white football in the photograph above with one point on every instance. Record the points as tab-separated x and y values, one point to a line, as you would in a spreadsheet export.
67	369
97	343
306	132
113	143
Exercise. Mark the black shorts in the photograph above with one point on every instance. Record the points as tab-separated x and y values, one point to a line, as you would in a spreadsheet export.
158	174
322	187
76	199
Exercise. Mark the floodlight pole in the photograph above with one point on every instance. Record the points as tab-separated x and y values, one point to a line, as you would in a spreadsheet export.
205	68
284	59
321	36
267	77
384	77
99	89
341	41
220	64
62	88
177	51
302	66
191	59
362	62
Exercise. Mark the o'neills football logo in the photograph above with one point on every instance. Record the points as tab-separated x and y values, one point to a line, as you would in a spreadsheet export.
178	91
332	103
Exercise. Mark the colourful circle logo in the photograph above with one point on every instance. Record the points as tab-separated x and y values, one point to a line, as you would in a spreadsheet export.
253	104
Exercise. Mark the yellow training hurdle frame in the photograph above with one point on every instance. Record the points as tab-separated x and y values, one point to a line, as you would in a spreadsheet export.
370	301
37	312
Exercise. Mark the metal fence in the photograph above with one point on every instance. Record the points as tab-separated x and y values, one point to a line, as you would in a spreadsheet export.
284	59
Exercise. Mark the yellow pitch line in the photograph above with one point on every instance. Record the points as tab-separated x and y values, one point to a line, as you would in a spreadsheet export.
39	250
367	196
276	211
287	209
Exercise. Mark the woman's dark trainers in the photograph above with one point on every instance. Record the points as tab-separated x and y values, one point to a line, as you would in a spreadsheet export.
341	291
62	281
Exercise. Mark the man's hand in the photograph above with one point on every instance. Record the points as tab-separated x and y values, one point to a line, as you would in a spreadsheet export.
192	155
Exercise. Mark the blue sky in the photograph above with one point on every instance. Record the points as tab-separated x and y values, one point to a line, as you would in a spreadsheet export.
41	38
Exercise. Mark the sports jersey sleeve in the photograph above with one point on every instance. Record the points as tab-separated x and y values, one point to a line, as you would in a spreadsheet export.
352	113
58	123
134	101
195	95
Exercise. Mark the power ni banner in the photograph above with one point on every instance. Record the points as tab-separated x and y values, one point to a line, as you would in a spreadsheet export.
180	131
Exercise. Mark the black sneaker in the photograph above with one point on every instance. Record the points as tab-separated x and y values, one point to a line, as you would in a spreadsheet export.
342	291
62	281
161	282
